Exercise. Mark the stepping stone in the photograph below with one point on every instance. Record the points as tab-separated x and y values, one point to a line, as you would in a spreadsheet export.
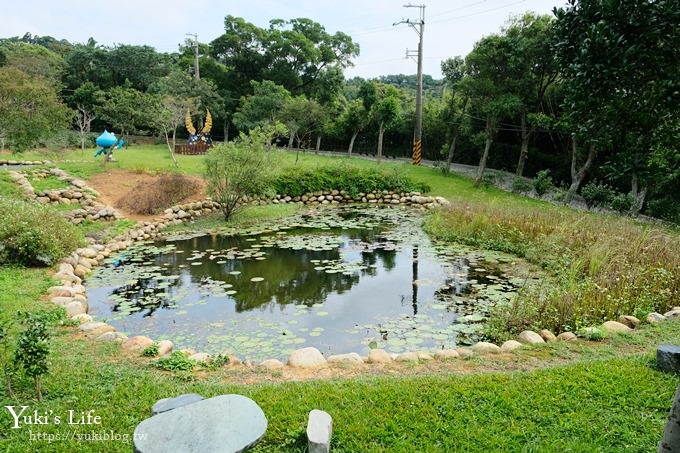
319	432
225	423
668	358
168	404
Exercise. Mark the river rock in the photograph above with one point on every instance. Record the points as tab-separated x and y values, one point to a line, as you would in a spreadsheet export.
630	321
446	354
668	358
168	404
319	432
74	308
655	318
464	352
484	347
110	336
614	326
272	364
225	423
165	347
137	343
378	356
567	336
530	337
200	357
90	326
349	359
82	318
510	345
547	335
306	358
410	357
674	313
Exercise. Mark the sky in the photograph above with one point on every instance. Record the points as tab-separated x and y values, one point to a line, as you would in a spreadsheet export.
451	26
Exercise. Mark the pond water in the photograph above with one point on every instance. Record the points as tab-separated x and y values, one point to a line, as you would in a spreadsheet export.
339	279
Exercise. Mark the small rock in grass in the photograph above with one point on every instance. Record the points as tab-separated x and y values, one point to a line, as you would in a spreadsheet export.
306	358
137	343
530	337
630	321
319	432
111	336
614	326
567	336
672	314
547	335
82	318
464	352
89	326
484	347
446	354
668	358
411	357
272	364
168	404
424	356
349	359
510	345
378	356
655	318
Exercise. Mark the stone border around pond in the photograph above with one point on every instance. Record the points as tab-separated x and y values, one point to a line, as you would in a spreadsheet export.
73	270
4	162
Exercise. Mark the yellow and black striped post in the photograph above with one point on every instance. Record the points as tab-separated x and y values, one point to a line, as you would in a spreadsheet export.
417	152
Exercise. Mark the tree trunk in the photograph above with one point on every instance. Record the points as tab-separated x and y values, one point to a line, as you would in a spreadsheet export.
452	150
670	442
639	194
351	143
577	175
291	139
381	131
171	147
524	150
226	130
318	144
487	148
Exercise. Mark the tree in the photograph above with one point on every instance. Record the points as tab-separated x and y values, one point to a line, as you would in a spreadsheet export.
299	115
126	109
29	109
353	119
236	170
384	107
457	103
32	351
262	108
489	85
167	114
34	60
86	99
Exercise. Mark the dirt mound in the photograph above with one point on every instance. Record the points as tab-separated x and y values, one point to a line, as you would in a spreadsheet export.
115	184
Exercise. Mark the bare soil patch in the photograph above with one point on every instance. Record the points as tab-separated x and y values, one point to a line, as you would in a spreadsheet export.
115	184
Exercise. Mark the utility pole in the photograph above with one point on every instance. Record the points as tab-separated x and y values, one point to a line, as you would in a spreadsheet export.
419	27
197	74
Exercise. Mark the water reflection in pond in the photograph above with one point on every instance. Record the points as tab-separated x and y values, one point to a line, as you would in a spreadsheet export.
341	280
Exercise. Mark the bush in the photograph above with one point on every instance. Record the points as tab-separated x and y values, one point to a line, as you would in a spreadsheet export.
597	194
237	170
177	361
623	202
542	182
297	181
34	235
521	185
154	197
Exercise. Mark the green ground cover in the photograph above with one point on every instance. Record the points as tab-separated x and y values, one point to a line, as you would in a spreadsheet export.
570	397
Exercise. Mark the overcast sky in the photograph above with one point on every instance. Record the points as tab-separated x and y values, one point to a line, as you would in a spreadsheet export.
452	26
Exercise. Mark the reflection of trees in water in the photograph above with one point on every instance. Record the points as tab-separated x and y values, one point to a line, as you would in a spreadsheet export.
145	293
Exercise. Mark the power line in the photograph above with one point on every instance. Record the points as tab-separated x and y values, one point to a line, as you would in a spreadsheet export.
478	12
458	9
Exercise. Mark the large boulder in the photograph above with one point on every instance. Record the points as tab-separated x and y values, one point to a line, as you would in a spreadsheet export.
378	356
530	337
614	326
484	347
668	358
306	358
225	423
347	359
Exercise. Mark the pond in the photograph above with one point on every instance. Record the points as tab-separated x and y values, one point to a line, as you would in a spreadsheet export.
339	279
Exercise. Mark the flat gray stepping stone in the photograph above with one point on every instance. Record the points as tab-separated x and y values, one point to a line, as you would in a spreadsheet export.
168	404
224	424
668	358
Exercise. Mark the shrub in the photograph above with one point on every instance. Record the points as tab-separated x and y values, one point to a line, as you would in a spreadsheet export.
521	185
597	194
622	202
32	234
296	181
163	192
32	351
151	351
237	170
177	361
542	182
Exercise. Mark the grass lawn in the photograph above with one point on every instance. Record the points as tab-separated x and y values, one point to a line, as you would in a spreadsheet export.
576	397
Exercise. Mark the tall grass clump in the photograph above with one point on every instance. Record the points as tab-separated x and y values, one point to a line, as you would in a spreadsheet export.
599	267
34	235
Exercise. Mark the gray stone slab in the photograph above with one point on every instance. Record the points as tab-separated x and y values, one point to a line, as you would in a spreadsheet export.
168	404
224	424
668	358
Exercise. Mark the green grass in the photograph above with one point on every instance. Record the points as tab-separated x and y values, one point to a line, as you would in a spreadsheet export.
247	217
7	186
48	183
105	230
602	402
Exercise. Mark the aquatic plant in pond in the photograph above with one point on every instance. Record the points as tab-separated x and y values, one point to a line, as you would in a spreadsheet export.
340	279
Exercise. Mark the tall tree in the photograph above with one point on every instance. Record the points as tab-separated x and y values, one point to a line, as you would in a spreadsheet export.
86	100
352	120
263	107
